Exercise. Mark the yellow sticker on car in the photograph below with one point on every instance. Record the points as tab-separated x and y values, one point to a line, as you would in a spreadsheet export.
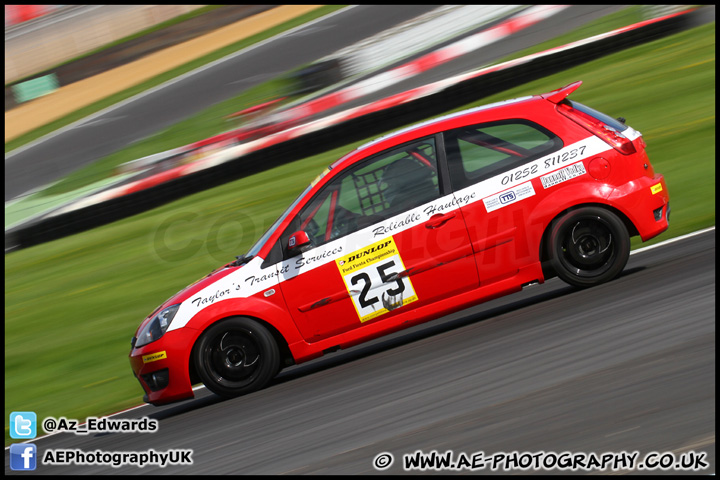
370	276
656	188
154	357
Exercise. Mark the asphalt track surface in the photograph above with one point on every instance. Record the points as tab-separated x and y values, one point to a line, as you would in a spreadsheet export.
50	160
625	366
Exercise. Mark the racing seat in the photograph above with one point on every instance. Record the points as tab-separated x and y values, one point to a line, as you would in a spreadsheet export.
407	183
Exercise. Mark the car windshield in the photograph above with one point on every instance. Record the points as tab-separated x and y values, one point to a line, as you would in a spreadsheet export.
258	245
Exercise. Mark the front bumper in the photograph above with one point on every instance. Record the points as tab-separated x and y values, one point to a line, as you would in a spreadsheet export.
162	367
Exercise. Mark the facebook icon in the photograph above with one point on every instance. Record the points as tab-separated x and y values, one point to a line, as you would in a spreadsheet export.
23	456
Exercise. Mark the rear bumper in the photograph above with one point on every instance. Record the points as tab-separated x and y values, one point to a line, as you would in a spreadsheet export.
646	202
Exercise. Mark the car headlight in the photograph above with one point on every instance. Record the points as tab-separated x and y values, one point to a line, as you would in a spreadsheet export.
156	327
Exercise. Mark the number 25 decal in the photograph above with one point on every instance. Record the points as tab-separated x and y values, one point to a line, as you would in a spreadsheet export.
365	278
371	270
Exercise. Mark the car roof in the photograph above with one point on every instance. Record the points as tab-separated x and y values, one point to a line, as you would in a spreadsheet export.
554	96
391	139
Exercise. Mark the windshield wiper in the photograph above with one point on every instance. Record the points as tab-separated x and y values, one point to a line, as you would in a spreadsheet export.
242	260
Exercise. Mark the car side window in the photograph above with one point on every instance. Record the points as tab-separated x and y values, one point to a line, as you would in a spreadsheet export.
478	152
378	188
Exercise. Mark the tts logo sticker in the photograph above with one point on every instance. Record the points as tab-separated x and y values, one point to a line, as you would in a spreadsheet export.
515	194
23	425
507	197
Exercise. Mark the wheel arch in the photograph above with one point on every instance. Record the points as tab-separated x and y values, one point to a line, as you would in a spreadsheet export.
544	254
286	356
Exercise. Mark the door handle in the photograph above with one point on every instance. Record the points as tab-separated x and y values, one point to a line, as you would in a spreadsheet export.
439	220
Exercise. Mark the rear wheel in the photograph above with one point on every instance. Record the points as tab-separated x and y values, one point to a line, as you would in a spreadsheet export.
589	246
236	356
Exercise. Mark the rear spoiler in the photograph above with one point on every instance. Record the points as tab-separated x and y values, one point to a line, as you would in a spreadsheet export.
556	96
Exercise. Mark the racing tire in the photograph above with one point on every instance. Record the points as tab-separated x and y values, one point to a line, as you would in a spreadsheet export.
589	246
236	356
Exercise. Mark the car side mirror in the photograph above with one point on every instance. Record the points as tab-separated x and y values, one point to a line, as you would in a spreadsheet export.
298	242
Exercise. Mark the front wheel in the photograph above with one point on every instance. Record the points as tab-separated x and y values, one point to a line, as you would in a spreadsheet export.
236	356
589	246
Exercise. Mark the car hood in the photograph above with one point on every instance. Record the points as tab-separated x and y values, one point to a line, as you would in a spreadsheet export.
193	288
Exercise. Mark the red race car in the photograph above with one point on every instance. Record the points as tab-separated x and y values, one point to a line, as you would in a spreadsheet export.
426	221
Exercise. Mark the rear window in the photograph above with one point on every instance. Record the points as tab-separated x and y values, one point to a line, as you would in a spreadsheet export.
606	119
478	152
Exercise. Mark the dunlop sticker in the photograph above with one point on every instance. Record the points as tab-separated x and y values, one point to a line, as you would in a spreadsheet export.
154	357
368	275
656	188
